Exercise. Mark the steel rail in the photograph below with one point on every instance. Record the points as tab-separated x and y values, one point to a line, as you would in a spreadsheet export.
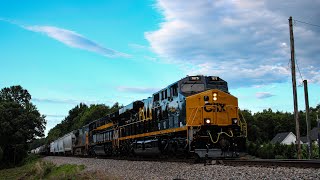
272	163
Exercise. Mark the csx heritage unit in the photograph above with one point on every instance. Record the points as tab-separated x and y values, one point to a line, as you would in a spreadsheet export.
193	116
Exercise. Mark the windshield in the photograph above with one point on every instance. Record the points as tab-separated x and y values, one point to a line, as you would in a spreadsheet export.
190	88
223	86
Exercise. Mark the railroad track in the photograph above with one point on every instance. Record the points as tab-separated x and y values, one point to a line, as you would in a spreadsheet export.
271	163
228	162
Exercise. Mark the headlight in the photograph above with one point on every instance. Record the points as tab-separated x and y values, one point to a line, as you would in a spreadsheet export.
215	96
235	121
207	121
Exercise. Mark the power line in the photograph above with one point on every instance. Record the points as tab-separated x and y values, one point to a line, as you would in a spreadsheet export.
307	23
301	83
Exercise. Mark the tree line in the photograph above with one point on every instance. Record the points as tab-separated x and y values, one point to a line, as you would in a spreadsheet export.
79	116
263	126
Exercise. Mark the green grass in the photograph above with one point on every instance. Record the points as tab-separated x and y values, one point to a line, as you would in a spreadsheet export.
35	168
66	171
17	172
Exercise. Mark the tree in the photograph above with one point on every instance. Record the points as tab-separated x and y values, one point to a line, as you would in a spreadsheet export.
94	112
20	123
79	116
15	94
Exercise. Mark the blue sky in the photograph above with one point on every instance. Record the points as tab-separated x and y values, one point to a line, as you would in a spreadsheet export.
67	52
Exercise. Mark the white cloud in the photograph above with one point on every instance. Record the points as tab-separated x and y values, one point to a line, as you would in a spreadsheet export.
245	42
263	95
55	115
142	90
70	101
71	39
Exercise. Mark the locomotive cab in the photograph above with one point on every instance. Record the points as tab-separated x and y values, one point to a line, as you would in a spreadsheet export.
214	127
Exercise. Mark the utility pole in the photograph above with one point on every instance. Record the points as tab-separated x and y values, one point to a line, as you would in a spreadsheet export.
306	98
294	87
318	121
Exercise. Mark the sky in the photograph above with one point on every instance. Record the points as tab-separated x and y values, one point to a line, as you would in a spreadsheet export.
67	52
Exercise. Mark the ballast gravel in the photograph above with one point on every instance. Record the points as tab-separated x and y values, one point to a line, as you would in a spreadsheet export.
123	169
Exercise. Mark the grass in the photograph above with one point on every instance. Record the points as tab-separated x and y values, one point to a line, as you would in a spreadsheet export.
34	168
15	173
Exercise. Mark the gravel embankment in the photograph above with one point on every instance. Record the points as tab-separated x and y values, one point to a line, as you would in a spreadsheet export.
122	169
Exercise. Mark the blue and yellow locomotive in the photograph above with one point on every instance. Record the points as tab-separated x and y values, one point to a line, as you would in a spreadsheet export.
193	116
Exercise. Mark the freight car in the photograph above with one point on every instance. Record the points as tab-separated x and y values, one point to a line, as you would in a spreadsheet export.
63	145
193	116
41	150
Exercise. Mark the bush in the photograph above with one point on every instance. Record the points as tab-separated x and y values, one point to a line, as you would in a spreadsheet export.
266	151
290	151
279	157
252	148
279	149
315	151
30	159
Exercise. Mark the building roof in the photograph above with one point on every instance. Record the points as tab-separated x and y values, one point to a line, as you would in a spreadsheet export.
280	137
304	139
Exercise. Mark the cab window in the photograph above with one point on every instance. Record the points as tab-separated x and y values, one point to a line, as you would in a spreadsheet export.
174	90
156	97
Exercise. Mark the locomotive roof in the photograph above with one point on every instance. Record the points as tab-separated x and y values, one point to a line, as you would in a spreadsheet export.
185	78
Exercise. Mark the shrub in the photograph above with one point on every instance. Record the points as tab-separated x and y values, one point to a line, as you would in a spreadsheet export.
279	157
30	159
315	151
290	151
266	151
252	148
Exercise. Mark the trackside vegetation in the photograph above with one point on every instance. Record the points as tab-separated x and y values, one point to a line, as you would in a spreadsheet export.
35	168
263	126
280	151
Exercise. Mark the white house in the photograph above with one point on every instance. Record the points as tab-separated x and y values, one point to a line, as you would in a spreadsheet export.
284	138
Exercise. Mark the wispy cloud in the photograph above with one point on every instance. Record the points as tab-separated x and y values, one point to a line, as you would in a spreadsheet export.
55	115
263	95
142	90
70	101
70	38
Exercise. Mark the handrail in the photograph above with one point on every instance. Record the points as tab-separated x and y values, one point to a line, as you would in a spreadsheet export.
219	136
243	125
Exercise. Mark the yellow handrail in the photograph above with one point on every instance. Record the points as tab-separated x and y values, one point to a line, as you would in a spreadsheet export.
243	125
219	136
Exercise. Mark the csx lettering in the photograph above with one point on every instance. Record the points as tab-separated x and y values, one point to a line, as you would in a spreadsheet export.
217	107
